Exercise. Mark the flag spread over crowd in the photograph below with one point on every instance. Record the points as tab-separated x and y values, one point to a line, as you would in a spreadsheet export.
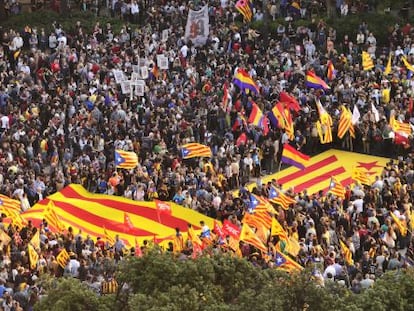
193	127
98	215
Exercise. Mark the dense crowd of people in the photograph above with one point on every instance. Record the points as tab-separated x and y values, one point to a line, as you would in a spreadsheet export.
63	114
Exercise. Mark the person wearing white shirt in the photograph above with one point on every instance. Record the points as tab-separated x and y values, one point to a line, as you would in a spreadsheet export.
184	50
134	12
17	43
399	51
358	205
5	122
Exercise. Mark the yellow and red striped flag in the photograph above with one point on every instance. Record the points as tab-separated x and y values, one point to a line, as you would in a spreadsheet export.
33	256
336	188
248	236
367	62
126	159
345	123
194	150
284	262
347	253
360	176
63	258
278	197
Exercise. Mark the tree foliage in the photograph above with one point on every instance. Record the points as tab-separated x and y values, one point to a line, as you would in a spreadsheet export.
163	282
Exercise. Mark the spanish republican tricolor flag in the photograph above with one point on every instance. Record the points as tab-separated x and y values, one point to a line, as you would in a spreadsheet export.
194	150
126	159
244	81
315	82
256	115
294	157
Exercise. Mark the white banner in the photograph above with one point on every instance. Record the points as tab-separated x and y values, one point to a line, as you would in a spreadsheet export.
197	28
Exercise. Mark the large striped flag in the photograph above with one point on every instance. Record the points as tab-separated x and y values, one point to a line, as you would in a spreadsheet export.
243	6
315	82
284	262
336	188
256	115
278	197
402	227
63	258
367	62
248	236
347	253
244	81
195	150
125	159
90	212
361	176
294	157
345	123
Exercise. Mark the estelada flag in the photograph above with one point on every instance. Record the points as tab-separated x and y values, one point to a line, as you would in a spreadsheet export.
163	207
286	263
248	236
278	230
